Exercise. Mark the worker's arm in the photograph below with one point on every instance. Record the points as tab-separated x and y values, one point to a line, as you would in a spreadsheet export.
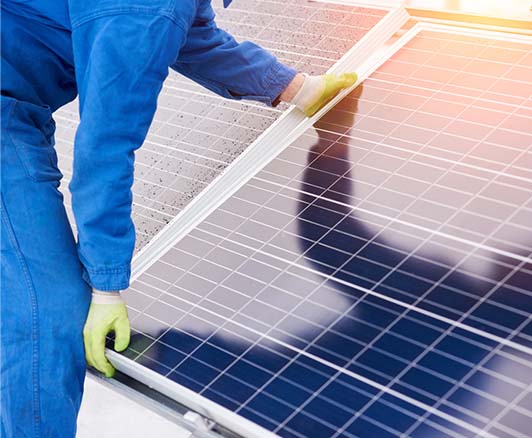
121	54
121	59
214	59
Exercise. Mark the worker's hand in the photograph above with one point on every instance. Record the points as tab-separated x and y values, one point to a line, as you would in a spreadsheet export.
317	91
107	313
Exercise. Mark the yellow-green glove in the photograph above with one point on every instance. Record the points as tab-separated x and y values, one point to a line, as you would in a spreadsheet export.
317	91
107	313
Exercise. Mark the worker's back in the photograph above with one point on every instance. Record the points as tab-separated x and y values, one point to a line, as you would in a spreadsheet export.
37	60
37	46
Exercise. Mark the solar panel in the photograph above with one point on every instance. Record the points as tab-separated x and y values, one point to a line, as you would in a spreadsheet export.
196	134
375	279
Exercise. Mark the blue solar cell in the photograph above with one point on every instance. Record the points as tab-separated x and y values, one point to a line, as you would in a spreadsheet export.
413	330
443	427
444	365
309	427
425	430
309	378
341	345
424	268
476	403
345	395
462	349
363	428
340	414
222	342
508	320
218	397
427	382
398	347
521	279
358	267
515	299
235	388
383	362
185	381
326	355
395	418
270	407
213	356
287	392
275	361
461	280
201	373
527	331
164	354
445	298
260	419
155	365
410	287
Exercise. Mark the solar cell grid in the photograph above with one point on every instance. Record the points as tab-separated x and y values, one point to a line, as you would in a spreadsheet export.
195	134
375	278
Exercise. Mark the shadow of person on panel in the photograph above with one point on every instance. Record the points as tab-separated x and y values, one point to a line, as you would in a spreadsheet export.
368	253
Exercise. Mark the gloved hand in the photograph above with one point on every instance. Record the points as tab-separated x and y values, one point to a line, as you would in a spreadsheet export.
107	313
317	91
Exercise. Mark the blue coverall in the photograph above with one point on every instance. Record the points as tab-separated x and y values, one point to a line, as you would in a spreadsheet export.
115	55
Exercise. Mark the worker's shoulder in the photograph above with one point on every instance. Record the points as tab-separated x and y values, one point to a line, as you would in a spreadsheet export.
82	11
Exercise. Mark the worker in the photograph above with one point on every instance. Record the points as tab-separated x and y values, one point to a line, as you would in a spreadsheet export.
114	56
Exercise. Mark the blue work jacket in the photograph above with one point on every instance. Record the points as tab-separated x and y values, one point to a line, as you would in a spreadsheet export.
115	55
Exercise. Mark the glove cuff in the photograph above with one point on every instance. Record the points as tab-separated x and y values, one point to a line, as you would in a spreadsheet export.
100	297
310	92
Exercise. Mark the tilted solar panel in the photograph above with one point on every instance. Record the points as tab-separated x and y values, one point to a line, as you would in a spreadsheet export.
196	134
375	279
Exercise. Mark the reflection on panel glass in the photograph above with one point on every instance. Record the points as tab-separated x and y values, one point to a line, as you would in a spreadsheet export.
375	279
196	134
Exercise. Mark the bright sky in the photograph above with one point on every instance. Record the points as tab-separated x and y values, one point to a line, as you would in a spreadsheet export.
499	8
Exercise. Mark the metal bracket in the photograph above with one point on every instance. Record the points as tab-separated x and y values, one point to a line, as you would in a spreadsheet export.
199	423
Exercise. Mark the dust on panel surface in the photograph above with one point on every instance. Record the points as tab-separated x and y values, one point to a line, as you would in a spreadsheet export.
375	279
196	134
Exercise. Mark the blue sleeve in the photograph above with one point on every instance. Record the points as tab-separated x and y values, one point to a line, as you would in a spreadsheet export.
121	60
214	59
